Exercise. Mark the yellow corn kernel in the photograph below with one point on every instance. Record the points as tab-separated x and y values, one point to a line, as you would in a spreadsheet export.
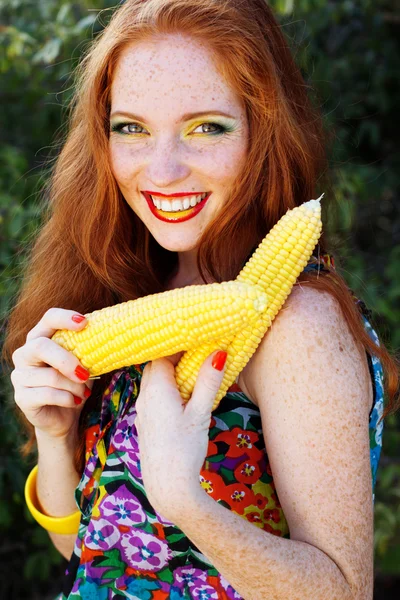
162	324
274	266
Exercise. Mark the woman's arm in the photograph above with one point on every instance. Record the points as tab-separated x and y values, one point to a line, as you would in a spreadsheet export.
56	483
314	391
257	564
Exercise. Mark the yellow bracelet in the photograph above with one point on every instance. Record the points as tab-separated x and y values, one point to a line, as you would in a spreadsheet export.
68	525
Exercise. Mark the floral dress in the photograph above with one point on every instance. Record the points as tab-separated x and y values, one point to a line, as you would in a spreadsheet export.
124	548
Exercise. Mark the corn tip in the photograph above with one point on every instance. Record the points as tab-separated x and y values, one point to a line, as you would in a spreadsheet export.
313	204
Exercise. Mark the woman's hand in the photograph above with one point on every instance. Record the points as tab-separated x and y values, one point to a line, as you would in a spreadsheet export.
173	437
48	380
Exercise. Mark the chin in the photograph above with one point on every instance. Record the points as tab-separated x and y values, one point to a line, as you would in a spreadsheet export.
175	245
175	241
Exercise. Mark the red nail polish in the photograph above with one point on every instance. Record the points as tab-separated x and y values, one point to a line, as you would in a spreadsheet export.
87	392
78	318
219	360
82	373
77	400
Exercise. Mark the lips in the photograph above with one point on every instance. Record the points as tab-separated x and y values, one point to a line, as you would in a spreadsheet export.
175	216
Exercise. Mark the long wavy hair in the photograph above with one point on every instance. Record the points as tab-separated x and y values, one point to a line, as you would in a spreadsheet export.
93	251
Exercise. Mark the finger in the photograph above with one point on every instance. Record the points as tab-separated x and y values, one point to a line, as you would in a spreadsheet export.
208	382
162	369
163	376
159	387
145	375
175	358
49	377
54	319
32	399
42	351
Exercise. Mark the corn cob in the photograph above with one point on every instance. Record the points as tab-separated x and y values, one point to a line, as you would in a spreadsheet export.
274	266
162	324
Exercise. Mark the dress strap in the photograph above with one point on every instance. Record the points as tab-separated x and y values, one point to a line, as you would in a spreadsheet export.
321	262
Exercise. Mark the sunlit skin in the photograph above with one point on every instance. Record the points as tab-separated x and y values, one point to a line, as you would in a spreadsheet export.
162	80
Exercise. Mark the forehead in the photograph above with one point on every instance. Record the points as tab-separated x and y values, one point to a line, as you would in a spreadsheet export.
173	71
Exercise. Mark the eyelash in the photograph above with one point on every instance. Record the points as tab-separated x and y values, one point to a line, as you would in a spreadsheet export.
222	129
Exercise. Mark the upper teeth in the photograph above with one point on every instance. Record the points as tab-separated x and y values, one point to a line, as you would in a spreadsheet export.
178	204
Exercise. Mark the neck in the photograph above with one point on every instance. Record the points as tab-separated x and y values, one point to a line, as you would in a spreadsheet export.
186	273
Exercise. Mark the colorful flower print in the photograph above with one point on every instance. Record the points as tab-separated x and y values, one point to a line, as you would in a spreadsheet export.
238	497
125	442
263	518
158	519
248	472
213	483
134	588
101	535
204	592
240	442
230	592
189	577
260	500
91	590
206	484
122	508
144	551
91	437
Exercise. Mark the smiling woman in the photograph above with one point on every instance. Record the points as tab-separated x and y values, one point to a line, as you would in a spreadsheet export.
180	151
191	135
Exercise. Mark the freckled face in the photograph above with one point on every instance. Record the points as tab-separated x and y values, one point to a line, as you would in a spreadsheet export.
155	146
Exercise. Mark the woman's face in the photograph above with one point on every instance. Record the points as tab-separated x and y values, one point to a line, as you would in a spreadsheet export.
177	129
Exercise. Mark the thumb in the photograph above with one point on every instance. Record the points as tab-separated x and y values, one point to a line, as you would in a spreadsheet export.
208	382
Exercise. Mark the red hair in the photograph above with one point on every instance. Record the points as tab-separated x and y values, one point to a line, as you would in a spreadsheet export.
93	251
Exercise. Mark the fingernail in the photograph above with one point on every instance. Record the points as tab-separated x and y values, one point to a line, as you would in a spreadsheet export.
78	318
77	400
82	373
219	360
87	392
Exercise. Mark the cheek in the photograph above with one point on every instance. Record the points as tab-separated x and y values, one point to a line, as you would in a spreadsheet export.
222	162
230	162
124	162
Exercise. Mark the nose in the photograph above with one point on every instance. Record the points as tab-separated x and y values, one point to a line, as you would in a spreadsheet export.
166	166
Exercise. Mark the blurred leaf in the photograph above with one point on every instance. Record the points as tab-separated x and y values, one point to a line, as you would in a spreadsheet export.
48	53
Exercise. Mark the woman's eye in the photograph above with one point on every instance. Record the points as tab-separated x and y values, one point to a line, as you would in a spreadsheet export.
126	128
132	128
206	128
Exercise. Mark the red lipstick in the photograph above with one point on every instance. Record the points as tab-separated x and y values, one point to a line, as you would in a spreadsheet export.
175	216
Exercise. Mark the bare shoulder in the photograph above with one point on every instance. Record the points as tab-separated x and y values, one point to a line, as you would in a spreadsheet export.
311	382
310	330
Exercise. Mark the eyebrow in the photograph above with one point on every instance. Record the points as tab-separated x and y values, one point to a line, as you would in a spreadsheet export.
185	117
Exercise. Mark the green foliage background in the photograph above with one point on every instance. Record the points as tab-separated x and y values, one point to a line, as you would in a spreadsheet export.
349	52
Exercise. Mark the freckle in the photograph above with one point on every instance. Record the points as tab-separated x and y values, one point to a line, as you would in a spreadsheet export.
309	350
340	347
